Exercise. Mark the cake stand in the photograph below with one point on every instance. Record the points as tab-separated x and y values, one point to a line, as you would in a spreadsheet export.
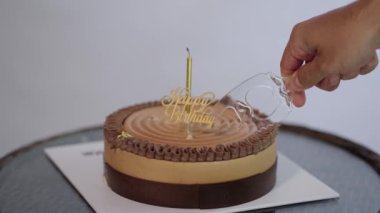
29	182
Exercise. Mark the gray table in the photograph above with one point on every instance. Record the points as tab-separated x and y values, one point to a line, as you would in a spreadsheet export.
29	182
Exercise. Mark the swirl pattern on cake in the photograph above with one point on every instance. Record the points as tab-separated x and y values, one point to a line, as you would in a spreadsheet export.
152	136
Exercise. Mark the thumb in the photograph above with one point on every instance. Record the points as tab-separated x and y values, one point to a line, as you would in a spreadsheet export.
306	76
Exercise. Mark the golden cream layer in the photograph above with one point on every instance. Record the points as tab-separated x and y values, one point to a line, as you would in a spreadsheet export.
189	172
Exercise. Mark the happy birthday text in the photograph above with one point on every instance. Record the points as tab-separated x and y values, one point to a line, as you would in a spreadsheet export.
179	107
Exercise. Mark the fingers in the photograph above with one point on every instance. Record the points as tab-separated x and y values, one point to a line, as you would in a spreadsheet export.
332	82
311	73
293	58
295	90
298	98
306	76
329	83
349	76
370	66
296	53
289	62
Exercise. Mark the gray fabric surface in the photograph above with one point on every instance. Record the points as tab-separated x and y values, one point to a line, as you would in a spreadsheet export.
29	182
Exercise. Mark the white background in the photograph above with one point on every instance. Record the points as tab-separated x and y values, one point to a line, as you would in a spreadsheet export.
67	64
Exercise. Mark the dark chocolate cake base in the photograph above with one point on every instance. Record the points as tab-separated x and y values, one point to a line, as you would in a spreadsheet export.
202	196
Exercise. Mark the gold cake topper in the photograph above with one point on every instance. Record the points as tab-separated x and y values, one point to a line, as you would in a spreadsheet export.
180	106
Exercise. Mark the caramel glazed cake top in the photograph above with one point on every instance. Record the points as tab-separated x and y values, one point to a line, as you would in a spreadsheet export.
147	134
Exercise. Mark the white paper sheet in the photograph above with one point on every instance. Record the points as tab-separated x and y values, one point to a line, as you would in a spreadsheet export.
82	164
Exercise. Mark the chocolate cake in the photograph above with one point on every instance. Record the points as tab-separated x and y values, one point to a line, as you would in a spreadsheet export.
150	160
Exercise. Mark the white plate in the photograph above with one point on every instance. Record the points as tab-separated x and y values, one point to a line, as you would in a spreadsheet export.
82	164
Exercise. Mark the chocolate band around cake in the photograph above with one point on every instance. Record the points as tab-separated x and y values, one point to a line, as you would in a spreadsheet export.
202	196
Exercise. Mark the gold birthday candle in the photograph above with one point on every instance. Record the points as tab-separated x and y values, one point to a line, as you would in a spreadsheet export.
188	77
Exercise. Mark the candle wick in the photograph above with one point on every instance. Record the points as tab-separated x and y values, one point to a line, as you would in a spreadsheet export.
188	51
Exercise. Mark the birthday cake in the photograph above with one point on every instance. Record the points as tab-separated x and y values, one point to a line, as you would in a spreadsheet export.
189	151
152	161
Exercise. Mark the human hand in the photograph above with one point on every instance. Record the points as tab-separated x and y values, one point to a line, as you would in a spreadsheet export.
338	45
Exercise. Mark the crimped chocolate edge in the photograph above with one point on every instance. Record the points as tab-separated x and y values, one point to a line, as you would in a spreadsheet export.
202	196
251	145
